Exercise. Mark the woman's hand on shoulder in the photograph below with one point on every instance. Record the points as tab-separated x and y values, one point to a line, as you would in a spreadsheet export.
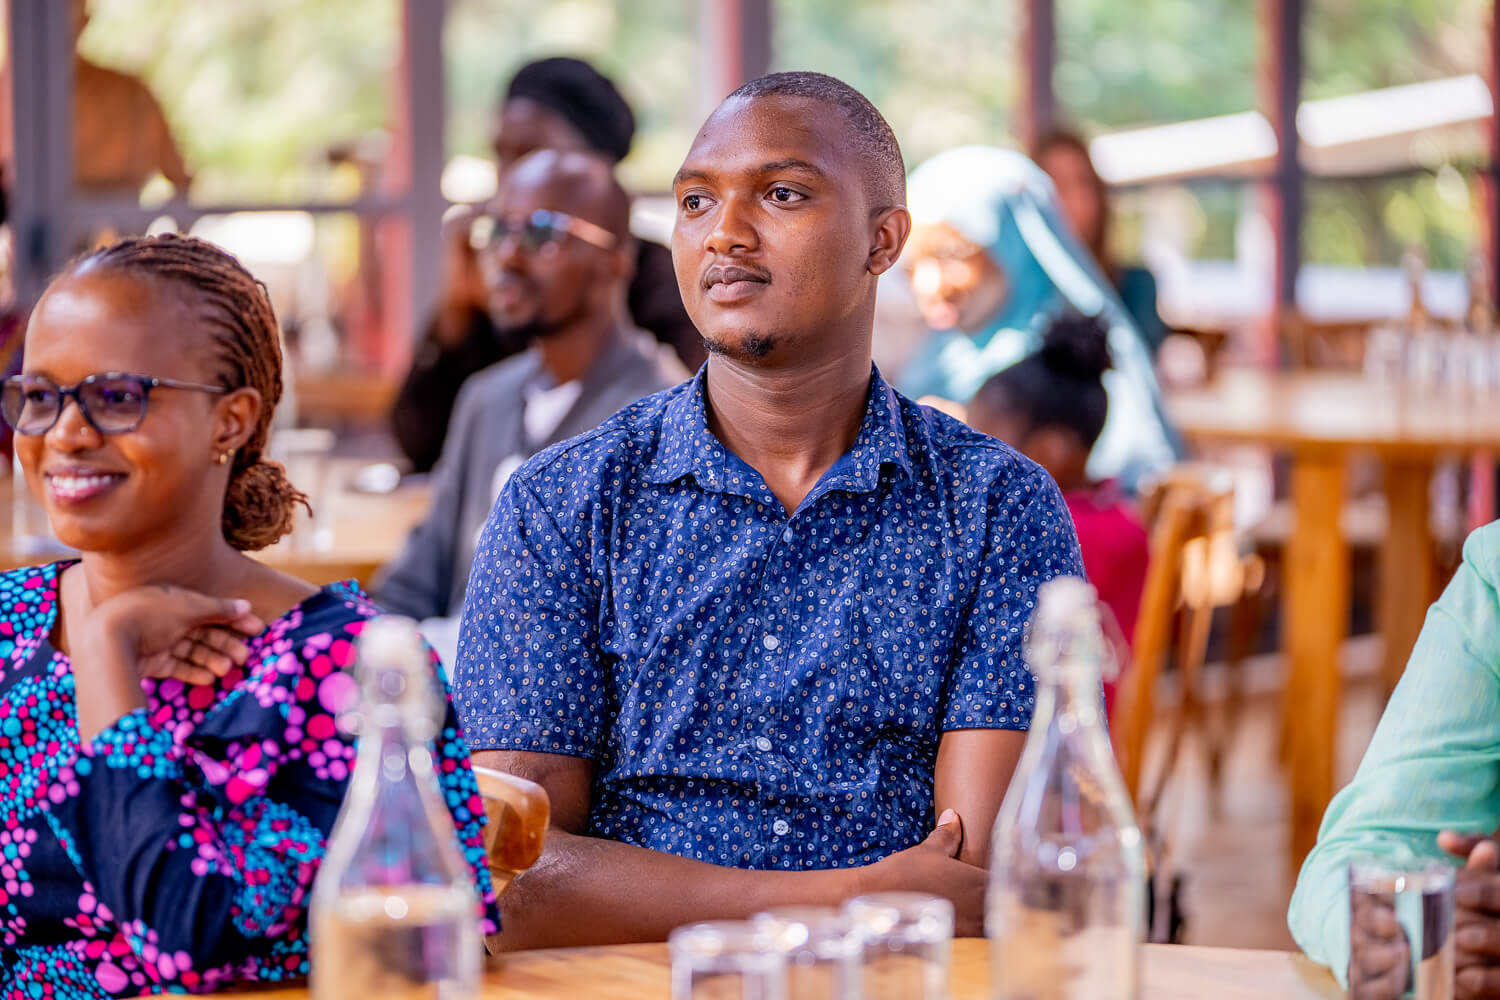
175	632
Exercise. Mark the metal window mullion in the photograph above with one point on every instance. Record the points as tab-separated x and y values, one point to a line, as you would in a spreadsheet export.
41	56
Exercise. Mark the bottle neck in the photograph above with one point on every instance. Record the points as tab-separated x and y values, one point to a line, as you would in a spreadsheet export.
392	745
1069	695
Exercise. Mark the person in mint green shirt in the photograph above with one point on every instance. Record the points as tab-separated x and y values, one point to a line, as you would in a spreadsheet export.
1429	784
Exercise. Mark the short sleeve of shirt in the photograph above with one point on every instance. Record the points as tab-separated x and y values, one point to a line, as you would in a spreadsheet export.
1031	541
528	674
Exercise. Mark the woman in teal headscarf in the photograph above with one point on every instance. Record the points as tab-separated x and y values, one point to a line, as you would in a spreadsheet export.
992	263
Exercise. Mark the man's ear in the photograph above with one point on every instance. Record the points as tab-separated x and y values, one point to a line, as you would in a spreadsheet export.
892	227
235	419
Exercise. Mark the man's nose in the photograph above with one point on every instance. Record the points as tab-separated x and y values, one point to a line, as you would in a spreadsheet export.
733	231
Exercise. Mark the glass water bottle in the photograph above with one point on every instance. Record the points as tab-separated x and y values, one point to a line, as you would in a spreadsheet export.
1065	912
394	909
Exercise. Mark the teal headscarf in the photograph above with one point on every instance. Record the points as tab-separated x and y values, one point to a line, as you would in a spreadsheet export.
1001	201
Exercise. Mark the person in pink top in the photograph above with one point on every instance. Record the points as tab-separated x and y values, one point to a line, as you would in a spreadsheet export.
1051	408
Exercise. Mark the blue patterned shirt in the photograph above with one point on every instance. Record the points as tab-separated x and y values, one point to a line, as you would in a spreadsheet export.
758	690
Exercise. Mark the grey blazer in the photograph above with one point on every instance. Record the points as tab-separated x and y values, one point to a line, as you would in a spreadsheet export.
428	578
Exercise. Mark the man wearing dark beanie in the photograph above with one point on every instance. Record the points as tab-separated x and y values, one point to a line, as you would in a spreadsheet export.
562	104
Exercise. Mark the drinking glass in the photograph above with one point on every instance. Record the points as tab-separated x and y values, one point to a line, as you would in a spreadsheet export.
822	951
906	939
1401	929
1385	357
306	452
726	960
31	536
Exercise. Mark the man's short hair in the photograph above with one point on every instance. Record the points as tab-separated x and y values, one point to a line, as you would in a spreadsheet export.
885	172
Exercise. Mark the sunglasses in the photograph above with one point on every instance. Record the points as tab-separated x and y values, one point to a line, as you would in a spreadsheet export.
112	403
541	232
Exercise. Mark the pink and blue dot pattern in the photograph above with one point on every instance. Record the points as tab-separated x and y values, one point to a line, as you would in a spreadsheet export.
175	852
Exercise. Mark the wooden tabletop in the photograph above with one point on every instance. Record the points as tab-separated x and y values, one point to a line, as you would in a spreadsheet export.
367	530
639	972
1295	410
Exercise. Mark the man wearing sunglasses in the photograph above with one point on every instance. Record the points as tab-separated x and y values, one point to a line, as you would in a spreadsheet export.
759	636
556	103
555	250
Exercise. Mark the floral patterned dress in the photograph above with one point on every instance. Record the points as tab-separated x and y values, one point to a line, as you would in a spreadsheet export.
175	852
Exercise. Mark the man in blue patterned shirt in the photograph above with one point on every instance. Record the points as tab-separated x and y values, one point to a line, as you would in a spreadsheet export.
759	634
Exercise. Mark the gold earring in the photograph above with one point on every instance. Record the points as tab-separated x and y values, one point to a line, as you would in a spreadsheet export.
224	456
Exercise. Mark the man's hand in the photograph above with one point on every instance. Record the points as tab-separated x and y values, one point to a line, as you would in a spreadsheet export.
1476	926
1379	951
933	866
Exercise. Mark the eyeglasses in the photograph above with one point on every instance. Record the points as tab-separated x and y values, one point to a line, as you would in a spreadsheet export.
112	403
541	232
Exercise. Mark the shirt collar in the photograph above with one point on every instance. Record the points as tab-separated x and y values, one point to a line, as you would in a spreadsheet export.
686	447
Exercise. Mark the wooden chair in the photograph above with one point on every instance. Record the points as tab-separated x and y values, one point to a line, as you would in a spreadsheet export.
1195	568
518	811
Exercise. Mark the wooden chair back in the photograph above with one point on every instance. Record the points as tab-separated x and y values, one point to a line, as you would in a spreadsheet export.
1195	566
518	811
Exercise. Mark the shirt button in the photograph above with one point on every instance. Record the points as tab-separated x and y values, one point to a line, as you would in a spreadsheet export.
780	827
770	642
786	536
762	744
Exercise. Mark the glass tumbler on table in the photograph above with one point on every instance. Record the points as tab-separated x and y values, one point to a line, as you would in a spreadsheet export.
306	454
1401	929
907	939
31	537
823	951
727	960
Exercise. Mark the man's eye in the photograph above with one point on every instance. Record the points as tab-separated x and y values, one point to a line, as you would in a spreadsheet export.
692	202
785	195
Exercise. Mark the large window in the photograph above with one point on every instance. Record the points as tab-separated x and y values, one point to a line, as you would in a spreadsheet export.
1122	65
943	72
266	101
650	50
1393	131
1355	45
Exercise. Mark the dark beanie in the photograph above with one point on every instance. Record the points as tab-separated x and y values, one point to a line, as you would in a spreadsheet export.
583	96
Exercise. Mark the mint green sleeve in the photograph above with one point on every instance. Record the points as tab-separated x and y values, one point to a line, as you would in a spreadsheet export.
1433	764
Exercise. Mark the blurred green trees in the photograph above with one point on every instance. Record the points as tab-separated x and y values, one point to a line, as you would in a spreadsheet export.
260	90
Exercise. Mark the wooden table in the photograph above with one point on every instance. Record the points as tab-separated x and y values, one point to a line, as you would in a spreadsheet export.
368	530
343	396
1320	420
641	972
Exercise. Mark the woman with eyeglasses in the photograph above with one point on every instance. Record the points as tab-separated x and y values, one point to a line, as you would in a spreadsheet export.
167	703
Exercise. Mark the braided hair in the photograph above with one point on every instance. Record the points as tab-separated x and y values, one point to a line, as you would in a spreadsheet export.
234	308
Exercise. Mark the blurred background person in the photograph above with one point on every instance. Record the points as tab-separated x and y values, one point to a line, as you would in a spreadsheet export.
121	138
1084	198
557	255
1051	407
992	264
562	104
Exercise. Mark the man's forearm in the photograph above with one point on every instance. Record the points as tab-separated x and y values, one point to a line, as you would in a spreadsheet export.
585	890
